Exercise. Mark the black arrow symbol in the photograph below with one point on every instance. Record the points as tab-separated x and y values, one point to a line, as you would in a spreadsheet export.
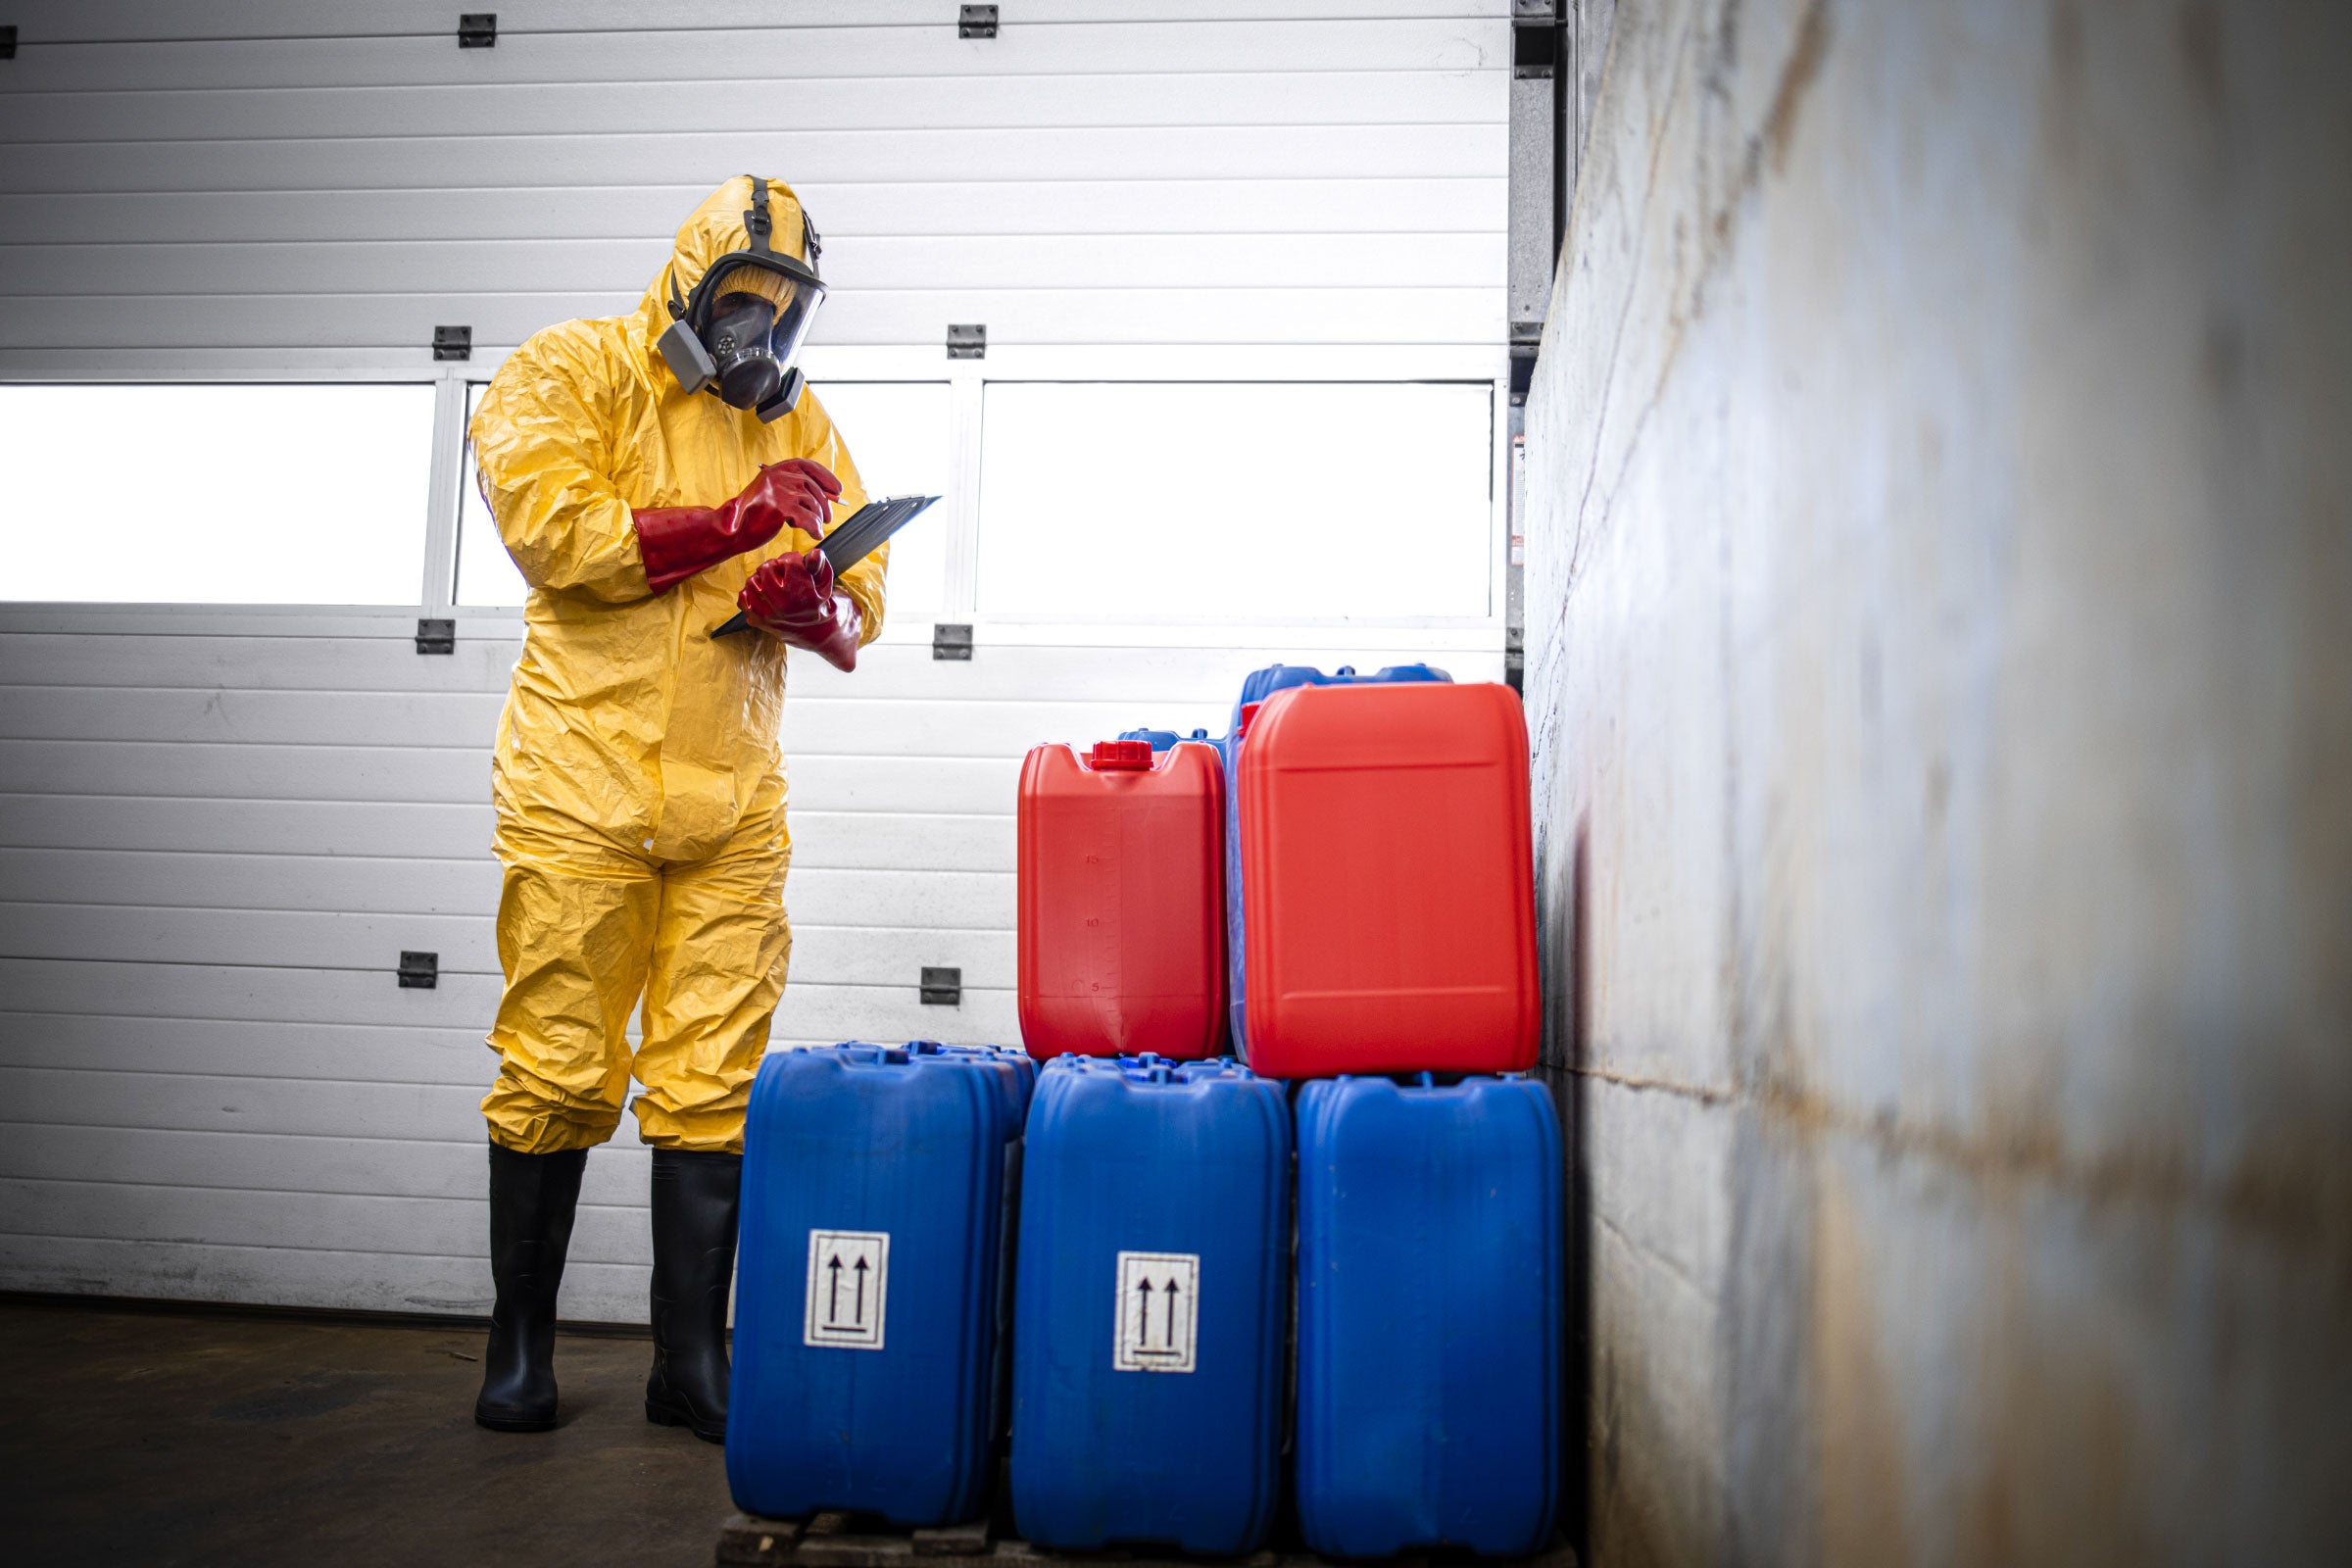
833	1302
860	1315
1143	1315
1170	1341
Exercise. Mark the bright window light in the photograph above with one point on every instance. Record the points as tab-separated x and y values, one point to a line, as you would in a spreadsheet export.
234	495
896	433
487	574
1118	500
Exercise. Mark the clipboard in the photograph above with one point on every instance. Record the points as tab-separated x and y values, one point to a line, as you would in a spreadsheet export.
848	543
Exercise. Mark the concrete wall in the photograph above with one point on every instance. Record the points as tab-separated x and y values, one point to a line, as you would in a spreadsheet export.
1941	661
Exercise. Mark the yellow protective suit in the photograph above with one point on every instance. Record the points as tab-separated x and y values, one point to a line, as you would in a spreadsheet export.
638	781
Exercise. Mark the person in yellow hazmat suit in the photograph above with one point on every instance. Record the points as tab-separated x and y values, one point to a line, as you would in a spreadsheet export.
650	475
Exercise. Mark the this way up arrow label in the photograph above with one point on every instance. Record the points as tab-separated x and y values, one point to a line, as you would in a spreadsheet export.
848	1289
1158	1309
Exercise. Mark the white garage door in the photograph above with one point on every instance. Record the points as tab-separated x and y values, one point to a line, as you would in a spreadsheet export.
1242	274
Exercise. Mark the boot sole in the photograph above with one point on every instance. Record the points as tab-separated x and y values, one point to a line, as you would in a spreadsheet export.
662	1416
498	1422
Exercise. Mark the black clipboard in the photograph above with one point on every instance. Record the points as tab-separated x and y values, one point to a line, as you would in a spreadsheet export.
850	542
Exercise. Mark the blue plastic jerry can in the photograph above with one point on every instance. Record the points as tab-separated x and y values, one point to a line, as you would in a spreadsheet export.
1428	1315
1162	739
1148	1345
1023	1064
867	1297
1257	687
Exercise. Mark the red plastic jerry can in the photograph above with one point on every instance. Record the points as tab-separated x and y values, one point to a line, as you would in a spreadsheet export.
1122	901
1387	877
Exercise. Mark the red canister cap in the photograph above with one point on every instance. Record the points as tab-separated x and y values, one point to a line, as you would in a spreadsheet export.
1121	757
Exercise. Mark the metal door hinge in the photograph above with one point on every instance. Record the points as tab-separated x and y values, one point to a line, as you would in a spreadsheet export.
477	29
943	987
453	342
8	42
968	341
949	641
420	971
1535	47
1523	370
976	21
436	636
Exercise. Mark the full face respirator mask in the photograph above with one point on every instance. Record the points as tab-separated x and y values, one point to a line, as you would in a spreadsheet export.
739	332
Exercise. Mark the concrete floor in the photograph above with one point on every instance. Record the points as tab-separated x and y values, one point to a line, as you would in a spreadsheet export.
153	1438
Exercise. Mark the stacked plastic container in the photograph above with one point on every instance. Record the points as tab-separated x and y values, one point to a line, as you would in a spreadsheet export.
1147	1359
1383	873
1121	929
1386	880
1428	1315
869	1304
1341	887
1259	685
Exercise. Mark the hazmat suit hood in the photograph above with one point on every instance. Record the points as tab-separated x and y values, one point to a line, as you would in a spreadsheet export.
712	231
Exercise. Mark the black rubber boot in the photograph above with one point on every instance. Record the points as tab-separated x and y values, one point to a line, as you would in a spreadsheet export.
532	1199
693	1261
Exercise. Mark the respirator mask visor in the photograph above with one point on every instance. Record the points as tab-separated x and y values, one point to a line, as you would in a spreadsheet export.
757	316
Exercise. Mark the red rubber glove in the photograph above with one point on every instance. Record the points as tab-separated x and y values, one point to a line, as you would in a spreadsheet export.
676	542
793	597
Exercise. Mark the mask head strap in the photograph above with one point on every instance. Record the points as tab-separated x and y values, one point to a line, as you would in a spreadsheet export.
755	221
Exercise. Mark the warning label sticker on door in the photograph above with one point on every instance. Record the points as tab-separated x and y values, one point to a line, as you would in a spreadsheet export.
849	1287
1159	1304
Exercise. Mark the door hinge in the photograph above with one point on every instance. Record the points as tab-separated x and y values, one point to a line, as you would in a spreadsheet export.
1523	372
420	971
436	636
1535	47
8	42
943	987
976	21
477	29
951	641
453	342
968	341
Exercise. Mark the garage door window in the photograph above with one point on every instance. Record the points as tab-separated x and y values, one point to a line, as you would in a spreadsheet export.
1236	501
252	495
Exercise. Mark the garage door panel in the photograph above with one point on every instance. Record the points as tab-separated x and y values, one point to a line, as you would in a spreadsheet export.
606	267
253	663
449	1055
440	162
651	108
279	717
379	828
775	54
1108	314
251	881
122	21
226	770
77	1097
1369	203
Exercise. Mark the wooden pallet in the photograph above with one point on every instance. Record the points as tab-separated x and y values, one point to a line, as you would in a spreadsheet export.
839	1540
